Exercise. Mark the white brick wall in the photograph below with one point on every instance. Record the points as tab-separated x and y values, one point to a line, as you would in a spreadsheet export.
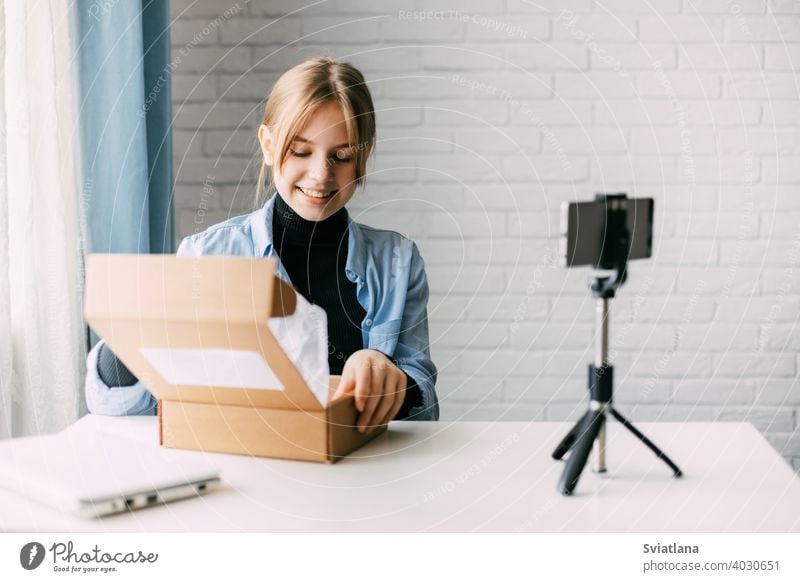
488	118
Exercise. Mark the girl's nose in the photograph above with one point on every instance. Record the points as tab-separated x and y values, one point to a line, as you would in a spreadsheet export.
320	169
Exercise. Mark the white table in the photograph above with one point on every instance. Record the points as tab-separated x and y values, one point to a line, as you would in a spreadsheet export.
471	476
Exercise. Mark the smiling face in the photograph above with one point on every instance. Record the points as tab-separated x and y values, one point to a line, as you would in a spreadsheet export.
318	176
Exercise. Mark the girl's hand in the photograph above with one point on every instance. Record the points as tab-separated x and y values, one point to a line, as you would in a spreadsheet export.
379	387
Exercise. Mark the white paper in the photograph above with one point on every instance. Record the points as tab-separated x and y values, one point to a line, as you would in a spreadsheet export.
304	337
213	367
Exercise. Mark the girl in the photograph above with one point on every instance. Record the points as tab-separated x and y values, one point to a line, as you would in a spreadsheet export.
316	135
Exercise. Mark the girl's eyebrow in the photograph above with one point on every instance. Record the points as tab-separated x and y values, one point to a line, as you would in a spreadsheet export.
336	147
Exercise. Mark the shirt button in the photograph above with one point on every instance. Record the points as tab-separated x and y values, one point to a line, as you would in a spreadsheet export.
367	322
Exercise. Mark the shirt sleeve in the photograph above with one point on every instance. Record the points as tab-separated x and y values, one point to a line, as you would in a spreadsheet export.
413	398
112	370
413	345
114	400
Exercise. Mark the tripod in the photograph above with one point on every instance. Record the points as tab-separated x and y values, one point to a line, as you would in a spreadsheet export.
590	429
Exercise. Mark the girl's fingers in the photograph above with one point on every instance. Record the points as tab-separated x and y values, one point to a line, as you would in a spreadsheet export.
386	403
373	399
400	396
365	394
363	385
346	384
379	392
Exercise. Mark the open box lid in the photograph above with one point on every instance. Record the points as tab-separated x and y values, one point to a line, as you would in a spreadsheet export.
195	329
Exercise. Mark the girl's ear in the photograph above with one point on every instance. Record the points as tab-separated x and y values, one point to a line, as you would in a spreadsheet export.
265	138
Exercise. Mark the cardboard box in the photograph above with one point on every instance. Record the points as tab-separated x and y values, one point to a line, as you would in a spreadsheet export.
194	331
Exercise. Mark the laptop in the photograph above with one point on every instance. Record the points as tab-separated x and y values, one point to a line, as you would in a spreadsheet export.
95	474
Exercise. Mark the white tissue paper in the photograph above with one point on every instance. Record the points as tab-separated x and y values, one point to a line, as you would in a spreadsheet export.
304	337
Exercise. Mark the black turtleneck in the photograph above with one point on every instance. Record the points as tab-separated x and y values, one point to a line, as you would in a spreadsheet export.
314	255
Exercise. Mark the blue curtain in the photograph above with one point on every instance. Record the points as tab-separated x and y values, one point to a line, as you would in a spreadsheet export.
123	54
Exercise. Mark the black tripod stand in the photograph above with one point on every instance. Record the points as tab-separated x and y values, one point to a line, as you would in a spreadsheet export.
590	429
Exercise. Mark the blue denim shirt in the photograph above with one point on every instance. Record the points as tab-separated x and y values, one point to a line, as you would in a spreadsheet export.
391	286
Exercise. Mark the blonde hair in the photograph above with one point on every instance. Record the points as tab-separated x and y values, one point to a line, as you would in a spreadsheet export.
299	92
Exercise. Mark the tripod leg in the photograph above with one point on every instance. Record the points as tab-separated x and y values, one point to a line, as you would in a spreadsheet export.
569	440
587	431
659	453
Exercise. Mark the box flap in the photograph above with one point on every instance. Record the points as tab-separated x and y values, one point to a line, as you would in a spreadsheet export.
173	320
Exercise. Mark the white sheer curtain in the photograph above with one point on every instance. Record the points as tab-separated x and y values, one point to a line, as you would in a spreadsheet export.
42	336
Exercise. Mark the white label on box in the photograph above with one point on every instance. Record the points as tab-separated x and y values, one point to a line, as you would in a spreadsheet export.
214	367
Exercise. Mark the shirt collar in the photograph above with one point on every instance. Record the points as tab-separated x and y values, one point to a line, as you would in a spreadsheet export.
261	228
355	268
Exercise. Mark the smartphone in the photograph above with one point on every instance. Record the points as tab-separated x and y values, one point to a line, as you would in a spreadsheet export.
599	232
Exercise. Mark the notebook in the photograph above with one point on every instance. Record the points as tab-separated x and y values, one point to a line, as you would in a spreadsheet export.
91	474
